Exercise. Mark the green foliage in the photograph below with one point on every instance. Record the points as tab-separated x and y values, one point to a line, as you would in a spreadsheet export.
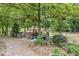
49	42
40	40
47	23
64	16
59	39
28	23
56	52
15	30
73	48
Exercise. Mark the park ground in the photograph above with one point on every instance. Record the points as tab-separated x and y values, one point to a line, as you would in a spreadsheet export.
24	47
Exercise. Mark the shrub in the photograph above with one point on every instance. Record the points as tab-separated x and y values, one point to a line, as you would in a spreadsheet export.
59	39
39	41
73	48
55	52
40	36
49	42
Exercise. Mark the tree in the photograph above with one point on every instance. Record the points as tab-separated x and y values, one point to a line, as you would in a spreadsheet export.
63	17
15	30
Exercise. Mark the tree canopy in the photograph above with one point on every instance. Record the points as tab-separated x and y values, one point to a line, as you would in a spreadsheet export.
56	16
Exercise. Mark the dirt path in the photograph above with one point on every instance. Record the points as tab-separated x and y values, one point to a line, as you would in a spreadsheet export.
25	47
72	37
18	48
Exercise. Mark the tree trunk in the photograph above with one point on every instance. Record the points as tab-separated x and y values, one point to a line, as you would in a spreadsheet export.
2	27
3	30
24	31
59	21
70	29
6	29
39	28
27	28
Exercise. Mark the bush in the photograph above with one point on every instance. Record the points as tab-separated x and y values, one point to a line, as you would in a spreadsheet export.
40	36
55	52
73	48
49	42
39	40
59	39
